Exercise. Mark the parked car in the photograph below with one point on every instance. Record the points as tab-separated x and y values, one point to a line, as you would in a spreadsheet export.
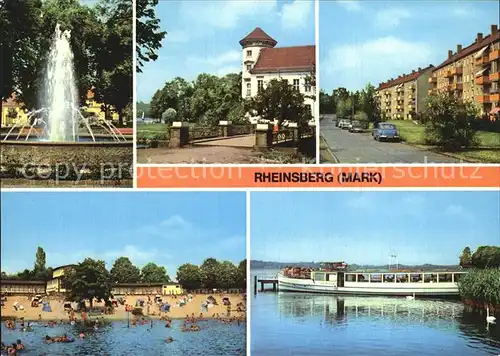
356	126
385	131
344	124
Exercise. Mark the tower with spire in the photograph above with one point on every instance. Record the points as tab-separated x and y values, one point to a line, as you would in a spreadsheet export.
251	46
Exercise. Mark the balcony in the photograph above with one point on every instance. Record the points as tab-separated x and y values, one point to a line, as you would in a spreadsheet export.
482	80
483	99
399	90
455	86
481	61
495	97
494	55
456	71
494	77
432	79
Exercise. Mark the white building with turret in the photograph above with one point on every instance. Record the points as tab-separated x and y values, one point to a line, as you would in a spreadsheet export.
262	62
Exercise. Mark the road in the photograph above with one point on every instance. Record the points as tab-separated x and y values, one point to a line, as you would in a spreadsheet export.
362	148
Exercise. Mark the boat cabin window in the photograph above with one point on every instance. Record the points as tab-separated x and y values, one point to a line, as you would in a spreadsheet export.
416	277
401	278
430	278
319	276
457	276
349	277
363	277
445	277
376	278
388	278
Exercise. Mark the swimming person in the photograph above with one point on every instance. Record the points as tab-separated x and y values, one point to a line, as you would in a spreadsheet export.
19	345
169	339
82	336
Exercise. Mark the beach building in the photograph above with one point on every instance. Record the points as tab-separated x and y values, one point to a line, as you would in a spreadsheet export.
146	289
55	285
15	287
262	62
473	72
13	113
402	98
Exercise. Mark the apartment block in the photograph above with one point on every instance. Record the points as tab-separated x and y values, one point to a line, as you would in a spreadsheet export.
472	72
403	97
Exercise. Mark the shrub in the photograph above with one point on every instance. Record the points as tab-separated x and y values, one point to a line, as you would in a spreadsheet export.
169	116
450	122
482	285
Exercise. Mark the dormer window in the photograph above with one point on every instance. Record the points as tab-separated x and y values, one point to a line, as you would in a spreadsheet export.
249	53
249	66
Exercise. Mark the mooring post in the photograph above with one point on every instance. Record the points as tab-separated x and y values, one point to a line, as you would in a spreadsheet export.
255	285
274	286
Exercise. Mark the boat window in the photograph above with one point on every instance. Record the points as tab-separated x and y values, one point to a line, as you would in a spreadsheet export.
415	277
457	276
375	278
350	277
445	277
319	276
363	277
430	278
388	278
401	278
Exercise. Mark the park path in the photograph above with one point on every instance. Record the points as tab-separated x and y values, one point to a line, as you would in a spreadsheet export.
247	141
197	155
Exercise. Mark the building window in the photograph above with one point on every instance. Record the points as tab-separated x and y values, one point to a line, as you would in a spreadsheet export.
296	84
249	66
249	53
249	89
260	85
307	85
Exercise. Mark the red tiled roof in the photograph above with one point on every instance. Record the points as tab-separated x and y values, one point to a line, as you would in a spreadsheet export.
285	58
476	46
403	79
256	35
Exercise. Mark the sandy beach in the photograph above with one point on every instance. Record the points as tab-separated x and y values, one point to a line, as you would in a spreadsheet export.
151	310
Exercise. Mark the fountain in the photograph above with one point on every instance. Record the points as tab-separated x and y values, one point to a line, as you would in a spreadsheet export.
58	133
60	119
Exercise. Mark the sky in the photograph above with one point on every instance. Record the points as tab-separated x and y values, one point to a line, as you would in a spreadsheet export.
203	36
167	228
366	227
374	41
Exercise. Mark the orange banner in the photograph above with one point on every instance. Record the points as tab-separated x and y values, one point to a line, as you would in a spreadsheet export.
448	176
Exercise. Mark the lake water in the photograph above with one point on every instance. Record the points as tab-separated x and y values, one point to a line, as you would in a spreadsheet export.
116	339
311	324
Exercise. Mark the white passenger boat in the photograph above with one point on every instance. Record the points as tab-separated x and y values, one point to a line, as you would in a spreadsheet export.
334	278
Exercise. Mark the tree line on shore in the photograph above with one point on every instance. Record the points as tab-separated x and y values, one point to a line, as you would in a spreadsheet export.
91	279
210	98
482	282
101	41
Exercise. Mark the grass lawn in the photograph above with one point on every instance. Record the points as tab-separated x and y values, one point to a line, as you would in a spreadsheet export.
489	151
152	127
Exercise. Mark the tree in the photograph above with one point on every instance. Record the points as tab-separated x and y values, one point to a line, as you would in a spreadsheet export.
369	103
209	273
148	34
450	122
241	279
486	257
326	103
152	273
123	271
466	257
280	101
114	61
189	276
169	116
39	269
88	280
344	107
227	276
